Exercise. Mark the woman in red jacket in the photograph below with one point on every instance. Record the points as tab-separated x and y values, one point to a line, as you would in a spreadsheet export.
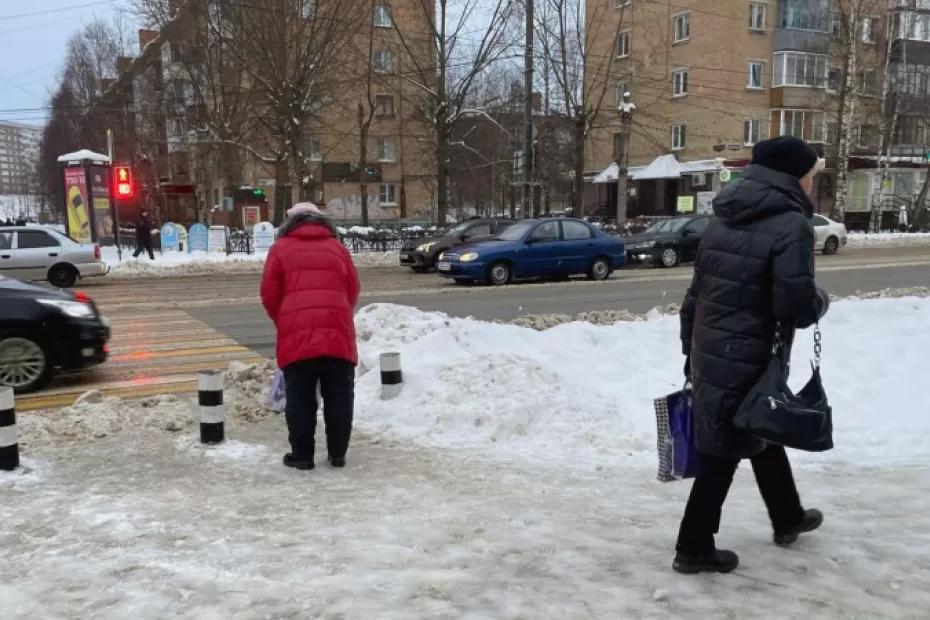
309	289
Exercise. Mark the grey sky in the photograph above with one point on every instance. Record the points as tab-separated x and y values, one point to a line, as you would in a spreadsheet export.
32	50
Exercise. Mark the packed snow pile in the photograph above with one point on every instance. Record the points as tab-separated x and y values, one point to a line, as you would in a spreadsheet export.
580	392
860	239
199	263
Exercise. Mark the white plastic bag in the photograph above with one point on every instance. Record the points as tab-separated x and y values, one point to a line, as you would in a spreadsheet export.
277	395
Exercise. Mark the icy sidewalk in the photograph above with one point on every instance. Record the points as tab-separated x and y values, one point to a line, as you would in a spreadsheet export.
151	525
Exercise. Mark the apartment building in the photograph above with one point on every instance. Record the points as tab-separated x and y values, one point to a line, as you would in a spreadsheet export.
712	77
196	171
19	157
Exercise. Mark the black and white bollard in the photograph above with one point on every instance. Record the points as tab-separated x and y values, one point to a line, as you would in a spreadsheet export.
212	409
9	439
392	380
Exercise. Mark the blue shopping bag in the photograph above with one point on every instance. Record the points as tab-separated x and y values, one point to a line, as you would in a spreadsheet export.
678	456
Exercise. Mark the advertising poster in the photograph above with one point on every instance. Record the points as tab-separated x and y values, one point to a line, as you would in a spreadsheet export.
103	208
216	239
169	237
251	216
686	204
77	205
263	236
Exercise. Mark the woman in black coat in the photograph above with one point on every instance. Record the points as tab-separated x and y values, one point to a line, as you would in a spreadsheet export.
755	268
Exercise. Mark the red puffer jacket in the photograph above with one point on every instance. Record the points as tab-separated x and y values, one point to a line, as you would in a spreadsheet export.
309	289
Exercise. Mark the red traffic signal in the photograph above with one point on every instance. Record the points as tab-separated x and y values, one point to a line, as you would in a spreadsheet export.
124	187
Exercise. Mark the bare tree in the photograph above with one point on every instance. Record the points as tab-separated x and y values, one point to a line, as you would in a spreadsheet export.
447	63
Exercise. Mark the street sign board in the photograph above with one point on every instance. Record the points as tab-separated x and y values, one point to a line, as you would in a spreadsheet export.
169	237
216	239
725	175
198	238
263	236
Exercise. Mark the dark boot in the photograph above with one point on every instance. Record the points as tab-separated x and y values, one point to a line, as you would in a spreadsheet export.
337	461
291	461
810	522
719	561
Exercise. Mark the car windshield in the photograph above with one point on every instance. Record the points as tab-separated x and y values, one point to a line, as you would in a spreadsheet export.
456	231
668	226
516	232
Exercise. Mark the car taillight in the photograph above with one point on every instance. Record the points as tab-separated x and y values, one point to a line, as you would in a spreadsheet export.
96	252
82	297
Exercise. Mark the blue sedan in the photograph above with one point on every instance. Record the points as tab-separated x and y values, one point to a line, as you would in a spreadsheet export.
548	248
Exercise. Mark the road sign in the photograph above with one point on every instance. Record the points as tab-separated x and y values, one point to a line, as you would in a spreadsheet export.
725	175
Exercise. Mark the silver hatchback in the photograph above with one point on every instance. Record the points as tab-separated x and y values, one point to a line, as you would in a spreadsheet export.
43	253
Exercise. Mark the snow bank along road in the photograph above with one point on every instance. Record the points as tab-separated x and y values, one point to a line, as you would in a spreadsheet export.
166	329
513	478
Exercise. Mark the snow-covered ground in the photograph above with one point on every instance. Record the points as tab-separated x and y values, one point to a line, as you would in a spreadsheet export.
195	263
513	477
859	239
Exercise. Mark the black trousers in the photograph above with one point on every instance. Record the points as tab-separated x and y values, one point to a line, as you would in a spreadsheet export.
337	387
702	514
140	247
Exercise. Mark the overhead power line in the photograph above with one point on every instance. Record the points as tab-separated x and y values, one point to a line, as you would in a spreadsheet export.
72	7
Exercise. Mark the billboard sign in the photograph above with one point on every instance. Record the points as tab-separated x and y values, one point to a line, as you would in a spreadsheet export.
77	205
197	238
169	237
104	228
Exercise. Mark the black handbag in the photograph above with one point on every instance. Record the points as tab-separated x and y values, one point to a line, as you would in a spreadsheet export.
772	412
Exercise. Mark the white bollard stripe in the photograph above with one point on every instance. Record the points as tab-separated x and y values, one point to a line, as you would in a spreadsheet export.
210	381
212	415
390	362
7	399
8	436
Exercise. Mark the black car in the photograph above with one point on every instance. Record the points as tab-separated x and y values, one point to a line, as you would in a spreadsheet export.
42	329
421	254
668	243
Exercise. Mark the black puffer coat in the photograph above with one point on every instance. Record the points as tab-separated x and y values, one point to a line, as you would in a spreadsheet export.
755	267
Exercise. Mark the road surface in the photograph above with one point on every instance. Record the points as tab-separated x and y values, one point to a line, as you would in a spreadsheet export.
166	329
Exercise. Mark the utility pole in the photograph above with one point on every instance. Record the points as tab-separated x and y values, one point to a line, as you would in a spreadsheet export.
626	109
528	210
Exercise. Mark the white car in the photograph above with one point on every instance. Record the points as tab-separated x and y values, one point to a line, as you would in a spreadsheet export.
830	236
43	253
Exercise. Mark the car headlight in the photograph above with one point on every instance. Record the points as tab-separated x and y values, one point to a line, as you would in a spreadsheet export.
425	247
469	257
442	255
74	309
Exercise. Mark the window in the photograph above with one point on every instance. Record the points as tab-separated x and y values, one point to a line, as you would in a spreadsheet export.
868	84
808	125
836	24
868	135
308	9
575	231
32	239
752	131
680	83
384	106
757	17
697	226
313	149
832	132
387	194
622	87
870	27
754	74
833	79
546	232
805	14
619	149
678	137
800	69
6	241
383	17
819	221
387	150
384	61
682	27
623	44
478	230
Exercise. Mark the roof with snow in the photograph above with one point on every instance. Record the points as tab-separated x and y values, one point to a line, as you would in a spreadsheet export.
662	167
82	155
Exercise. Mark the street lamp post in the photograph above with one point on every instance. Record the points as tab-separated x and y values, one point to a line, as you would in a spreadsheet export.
626	110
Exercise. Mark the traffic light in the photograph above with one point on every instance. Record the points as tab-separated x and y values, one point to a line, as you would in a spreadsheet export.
124	187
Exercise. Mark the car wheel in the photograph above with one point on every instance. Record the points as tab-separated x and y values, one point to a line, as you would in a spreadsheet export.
600	269
499	273
24	363
831	246
669	258
63	276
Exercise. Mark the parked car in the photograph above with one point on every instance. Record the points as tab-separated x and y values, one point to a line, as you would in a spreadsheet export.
42	329
829	236
546	248
668	243
43	253
421	254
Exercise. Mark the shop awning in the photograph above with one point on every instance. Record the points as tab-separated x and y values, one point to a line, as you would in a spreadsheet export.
609	174
662	167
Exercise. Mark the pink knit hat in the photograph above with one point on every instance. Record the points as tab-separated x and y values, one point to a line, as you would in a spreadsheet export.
302	208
